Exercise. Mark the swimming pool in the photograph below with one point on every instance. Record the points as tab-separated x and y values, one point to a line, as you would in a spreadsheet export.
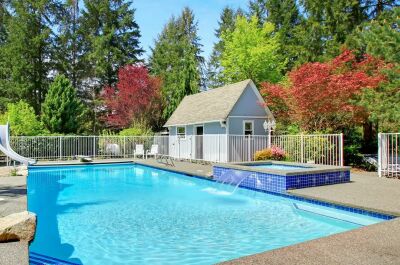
132	214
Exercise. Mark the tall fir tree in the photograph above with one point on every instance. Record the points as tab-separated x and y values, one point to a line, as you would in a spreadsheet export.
3	17
69	54
111	38
375	7
327	25
286	17
176	59
28	49
258	8
226	23
5	90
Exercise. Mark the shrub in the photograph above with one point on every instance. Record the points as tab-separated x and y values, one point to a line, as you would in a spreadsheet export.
273	153
13	172
139	128
264	154
277	153
22	119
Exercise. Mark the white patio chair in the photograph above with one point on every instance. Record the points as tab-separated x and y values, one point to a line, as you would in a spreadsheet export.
153	151
139	151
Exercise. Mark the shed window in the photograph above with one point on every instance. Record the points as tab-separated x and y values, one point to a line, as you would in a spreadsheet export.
248	127
181	132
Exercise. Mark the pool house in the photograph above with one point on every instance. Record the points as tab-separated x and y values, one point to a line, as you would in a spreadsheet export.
222	124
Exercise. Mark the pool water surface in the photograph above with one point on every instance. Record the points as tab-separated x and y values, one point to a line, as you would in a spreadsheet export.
132	214
280	167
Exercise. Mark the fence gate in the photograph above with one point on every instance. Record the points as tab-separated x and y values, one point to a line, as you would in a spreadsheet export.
388	154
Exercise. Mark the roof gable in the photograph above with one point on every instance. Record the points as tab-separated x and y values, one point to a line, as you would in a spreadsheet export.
212	105
251	103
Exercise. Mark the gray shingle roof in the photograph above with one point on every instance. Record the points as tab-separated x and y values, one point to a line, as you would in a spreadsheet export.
212	105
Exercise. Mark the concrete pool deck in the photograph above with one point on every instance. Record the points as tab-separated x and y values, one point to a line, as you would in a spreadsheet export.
376	244
366	190
12	200
371	245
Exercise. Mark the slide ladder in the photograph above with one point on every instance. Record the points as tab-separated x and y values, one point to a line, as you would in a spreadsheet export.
7	150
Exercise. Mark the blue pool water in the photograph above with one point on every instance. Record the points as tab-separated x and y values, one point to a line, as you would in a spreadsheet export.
280	167
131	214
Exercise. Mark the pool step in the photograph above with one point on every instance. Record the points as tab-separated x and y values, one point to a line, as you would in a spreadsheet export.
337	214
39	259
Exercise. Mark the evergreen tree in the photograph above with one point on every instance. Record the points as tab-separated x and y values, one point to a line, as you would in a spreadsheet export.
5	90
226	23
176	59
27	50
111	38
327	25
62	110
69	44
3	17
381	38
252	52
259	9
285	15
376	7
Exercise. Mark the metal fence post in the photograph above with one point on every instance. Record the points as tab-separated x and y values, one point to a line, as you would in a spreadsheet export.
249	149
179	147
94	146
60	147
302	147
124	146
341	150
227	141
379	154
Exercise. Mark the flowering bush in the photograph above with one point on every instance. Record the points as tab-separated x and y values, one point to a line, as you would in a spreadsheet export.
277	153
273	153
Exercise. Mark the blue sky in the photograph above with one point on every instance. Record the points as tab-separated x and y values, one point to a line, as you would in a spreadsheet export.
151	15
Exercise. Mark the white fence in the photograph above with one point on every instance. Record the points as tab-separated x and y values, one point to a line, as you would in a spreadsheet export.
388	154
67	147
324	149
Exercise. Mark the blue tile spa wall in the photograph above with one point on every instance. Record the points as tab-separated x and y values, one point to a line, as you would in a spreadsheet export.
277	183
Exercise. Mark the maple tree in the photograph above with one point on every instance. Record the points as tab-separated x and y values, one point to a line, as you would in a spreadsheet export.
132	96
320	96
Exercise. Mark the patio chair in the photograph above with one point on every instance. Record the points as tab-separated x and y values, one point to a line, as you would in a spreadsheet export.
139	151
153	151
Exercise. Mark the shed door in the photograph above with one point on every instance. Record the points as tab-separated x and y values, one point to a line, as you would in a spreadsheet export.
199	142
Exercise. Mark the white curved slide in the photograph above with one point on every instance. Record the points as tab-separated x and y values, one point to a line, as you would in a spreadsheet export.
7	150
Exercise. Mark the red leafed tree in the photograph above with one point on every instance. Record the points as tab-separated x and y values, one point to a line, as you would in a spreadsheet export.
131	97
320	96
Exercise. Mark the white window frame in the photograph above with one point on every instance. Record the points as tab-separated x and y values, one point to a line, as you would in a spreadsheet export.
181	136
252	127
195	127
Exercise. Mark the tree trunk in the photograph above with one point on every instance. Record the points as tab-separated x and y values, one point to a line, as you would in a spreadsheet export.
370	136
